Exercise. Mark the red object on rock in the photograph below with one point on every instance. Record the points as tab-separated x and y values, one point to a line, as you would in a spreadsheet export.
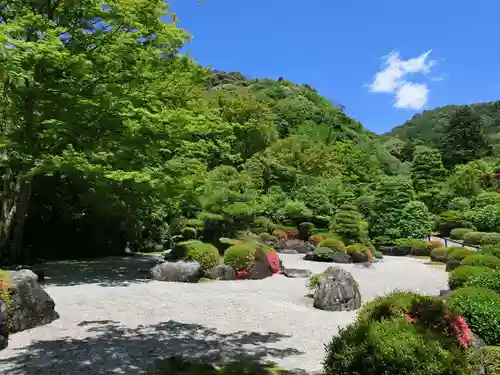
273	260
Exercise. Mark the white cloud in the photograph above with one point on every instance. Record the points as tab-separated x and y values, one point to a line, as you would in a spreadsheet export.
392	80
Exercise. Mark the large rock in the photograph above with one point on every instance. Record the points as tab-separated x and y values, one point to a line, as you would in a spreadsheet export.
4	325
297	273
337	291
31	305
359	257
181	271
221	272
261	268
340	257
301	247
309	256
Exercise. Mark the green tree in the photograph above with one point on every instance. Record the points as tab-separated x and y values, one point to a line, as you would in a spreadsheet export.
427	173
415	221
391	196
347	224
464	139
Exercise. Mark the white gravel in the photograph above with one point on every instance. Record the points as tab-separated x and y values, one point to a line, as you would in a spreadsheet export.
121	327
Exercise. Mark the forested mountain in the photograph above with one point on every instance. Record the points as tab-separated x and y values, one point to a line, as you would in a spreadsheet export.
428	127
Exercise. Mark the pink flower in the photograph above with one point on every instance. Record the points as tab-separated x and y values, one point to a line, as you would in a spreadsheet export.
409	319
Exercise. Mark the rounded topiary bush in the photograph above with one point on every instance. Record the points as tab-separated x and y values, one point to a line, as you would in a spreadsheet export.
180	249
484	260
473	238
490	250
402	333
481	308
459	253
359	253
189	233
490	239
463	275
458	233
264	236
333	244
323	254
205	254
440	254
420	248
240	257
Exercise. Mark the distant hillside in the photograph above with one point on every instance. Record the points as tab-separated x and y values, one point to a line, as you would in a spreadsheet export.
428	126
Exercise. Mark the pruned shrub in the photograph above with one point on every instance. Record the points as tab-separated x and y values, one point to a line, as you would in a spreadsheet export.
473	238
240	257
459	253
189	233
401	333
305	230
323	254
434	244
419	248
490	239
481	308
463	275
316	239
280	235
292	233
377	254
333	244
180	249
264	236
359	253
440	254
459	233
449	220
490	250
205	254
482	260
347	224
263	224
487	360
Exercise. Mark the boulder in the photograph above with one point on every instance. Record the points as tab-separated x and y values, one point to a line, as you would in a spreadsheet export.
289	251
337	291
282	267
297	273
452	264
4	325
31	305
301	247
444	293
340	257
309	256
359	258
261	268
181	271
221	272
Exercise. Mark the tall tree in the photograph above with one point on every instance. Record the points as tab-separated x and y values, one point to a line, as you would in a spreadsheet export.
427	173
464	139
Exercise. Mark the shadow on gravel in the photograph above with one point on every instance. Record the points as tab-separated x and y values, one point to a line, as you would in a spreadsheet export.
113	349
107	272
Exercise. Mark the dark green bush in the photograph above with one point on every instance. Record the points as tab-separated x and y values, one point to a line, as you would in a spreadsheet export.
490	250
490	239
449	220
462	276
180	249
377	254
440	254
487	360
357	248
189	233
383	241
333	244
381	341
481	309
305	230
473	238
490	261
205	254
347	224
264	236
458	233
323	254
459	253
263	224
420	248
240	257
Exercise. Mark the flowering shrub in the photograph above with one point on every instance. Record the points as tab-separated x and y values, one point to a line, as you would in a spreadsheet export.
280	235
273	260
242	275
315	239
292	233
434	244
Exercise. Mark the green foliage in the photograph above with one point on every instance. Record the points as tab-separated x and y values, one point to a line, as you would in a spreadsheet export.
440	254
180	249
490	239
481	308
240	257
464	275
473	238
381	341
333	243
459	253
391	196
205	254
486	218
487	198
487	359
324	254
449	220
427	173
458	233
189	233
491	250
357	248
347	224
415	220
460	204
482	260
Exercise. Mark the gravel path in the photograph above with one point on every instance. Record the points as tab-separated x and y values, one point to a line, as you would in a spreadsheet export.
122	327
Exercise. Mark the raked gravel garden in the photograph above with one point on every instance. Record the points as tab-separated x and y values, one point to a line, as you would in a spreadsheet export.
123	326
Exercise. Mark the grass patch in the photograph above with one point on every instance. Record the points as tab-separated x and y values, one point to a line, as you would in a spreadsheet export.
178	366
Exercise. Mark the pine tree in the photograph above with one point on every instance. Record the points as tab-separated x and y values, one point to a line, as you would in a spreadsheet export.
464	140
427	173
347	224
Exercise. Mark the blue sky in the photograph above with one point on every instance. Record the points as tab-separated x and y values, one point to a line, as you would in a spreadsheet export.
338	47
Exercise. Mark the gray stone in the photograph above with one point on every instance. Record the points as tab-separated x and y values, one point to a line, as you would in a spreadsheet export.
221	272
309	256
452	264
31	305
4	325
444	293
289	251
301	247
340	257
337	291
297	273
181	271
261	268
359	258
